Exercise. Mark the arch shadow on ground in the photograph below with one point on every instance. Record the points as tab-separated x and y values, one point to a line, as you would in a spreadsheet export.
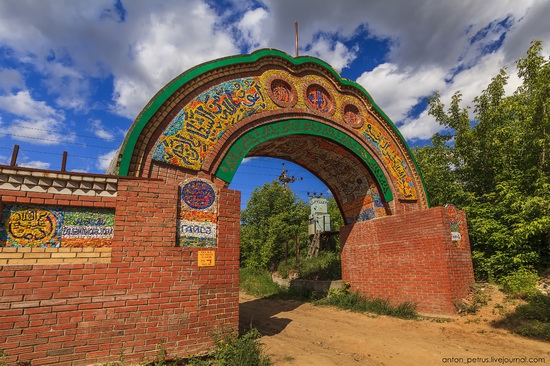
261	314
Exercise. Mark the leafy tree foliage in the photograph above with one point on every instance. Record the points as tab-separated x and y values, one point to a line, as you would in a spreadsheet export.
497	168
273	217
335	215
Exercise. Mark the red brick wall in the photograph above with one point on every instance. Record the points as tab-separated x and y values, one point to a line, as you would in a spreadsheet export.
409	257
73	306
151	292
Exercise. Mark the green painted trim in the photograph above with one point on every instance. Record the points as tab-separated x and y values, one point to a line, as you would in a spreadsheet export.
128	146
242	146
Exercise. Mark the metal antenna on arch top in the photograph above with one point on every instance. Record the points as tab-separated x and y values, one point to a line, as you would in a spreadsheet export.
296	35
285	180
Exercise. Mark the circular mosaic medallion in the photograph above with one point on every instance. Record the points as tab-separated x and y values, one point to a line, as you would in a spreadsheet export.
198	195
31	227
318	99
281	91
352	116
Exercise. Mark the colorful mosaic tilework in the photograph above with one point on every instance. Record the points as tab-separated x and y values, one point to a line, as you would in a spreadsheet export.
54	227
398	168
199	125
455	222
197	222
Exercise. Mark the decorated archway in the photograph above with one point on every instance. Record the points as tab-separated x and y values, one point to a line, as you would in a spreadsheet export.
196	131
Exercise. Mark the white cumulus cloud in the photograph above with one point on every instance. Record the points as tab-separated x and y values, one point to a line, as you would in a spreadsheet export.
335	53
104	160
34	121
396	90
36	164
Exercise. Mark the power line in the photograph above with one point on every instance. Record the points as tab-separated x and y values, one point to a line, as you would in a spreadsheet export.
76	134
59	141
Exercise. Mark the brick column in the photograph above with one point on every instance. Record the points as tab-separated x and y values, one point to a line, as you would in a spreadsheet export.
409	257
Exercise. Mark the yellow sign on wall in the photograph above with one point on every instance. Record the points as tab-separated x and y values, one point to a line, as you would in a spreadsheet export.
207	258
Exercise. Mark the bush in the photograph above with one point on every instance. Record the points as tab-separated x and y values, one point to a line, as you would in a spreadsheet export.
520	284
531	319
258	283
243	351
232	350
326	266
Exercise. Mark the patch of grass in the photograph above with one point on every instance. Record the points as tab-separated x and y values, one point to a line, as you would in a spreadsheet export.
258	283
345	299
326	266
479	296
287	358
3	358
245	350
531	319
520	284
231	350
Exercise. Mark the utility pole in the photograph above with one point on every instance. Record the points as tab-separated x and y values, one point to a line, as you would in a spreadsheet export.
285	179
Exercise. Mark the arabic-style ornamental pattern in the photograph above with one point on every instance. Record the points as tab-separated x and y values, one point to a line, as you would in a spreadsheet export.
194	131
201	123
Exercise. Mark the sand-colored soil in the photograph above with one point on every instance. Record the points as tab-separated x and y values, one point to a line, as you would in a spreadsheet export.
296	333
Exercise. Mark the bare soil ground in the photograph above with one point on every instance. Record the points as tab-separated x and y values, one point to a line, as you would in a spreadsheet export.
296	333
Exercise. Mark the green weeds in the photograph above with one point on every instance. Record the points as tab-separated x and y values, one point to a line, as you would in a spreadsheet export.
520	284
531	319
479	296
326	266
258	283
345	299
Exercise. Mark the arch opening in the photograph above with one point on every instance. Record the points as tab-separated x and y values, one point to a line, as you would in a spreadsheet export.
345	173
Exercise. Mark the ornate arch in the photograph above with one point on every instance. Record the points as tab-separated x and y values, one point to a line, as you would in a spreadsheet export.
201	119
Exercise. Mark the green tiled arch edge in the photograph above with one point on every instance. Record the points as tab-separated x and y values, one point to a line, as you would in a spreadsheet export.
158	100
240	148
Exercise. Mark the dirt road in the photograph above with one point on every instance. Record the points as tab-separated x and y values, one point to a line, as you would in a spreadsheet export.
299	334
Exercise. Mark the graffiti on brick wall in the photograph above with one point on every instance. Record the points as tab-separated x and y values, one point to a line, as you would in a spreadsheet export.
54	227
192	134
454	222
197	222
200	124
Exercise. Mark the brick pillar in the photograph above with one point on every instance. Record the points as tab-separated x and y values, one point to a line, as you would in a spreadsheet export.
409	257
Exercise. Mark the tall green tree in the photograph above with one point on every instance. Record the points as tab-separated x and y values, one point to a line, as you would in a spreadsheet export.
496	167
336	219
273	217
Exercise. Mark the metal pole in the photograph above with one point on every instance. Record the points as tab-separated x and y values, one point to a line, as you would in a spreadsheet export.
14	155
296	31
64	162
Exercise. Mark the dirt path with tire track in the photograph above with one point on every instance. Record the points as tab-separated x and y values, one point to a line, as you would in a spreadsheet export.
296	333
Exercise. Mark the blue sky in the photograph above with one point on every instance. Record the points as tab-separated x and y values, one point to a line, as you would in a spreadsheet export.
75	73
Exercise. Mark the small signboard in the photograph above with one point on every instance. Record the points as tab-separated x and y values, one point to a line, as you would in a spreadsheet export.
455	236
207	258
